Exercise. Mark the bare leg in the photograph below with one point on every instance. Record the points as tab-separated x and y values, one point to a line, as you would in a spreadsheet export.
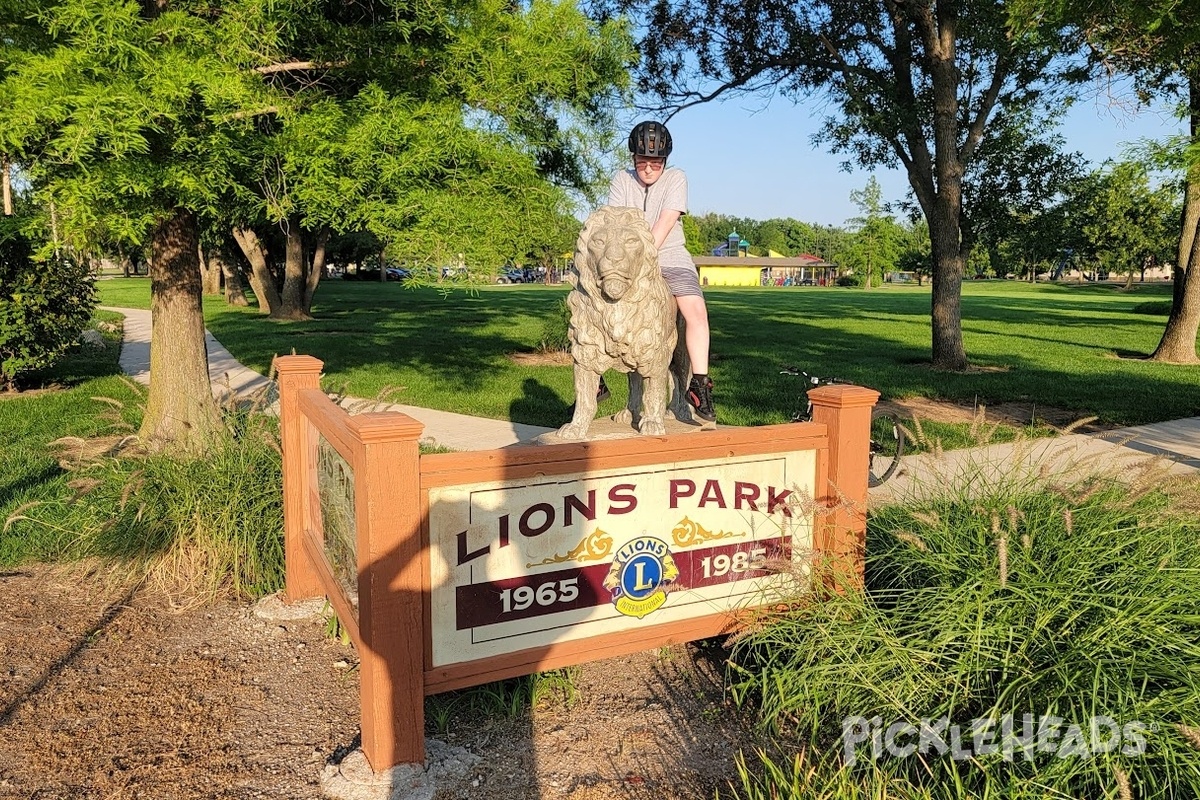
695	312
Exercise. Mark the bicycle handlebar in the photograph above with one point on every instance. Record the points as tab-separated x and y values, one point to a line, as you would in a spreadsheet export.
813	379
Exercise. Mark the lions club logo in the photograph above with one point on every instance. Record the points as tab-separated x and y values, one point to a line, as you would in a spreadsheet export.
639	575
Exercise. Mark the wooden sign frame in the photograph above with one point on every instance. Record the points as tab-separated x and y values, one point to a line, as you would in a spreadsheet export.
392	482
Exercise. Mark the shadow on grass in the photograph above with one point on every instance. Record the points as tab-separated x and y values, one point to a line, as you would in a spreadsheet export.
10	491
538	401
453	352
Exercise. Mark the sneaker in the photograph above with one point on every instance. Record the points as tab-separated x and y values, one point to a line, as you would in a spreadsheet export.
699	396
602	393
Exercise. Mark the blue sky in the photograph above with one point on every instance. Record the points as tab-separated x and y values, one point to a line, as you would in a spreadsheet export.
747	162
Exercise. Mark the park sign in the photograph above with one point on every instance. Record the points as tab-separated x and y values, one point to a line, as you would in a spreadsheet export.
450	570
522	564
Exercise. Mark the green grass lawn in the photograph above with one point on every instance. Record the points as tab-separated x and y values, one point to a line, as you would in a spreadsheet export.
93	400
1078	348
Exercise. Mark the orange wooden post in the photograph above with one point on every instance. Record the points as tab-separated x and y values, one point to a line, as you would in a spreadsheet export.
387	486
840	539
297	373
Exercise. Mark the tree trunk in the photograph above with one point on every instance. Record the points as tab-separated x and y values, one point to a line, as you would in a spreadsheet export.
181	415
1178	344
1190	223
261	280
946	294
937	181
316	270
6	182
123	260
1188	226
294	282
235	295
210	273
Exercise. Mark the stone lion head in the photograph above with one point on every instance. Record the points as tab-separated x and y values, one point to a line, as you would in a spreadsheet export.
615	256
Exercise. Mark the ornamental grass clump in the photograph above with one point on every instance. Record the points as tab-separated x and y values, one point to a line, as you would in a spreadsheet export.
1073	610
192	528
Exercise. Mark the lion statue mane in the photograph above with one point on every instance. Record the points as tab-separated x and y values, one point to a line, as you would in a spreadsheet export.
623	317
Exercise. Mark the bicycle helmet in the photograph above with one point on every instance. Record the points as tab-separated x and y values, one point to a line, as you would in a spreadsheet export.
650	139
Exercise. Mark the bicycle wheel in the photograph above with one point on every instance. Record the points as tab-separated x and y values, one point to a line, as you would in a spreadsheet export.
887	446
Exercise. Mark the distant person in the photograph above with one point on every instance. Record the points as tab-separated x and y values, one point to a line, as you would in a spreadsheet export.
661	193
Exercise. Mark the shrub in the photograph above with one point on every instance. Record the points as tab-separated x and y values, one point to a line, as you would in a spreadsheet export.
44	306
555	332
1077	604
850	280
1153	308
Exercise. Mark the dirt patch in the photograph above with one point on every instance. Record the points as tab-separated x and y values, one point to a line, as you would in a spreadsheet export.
551	358
22	393
105	692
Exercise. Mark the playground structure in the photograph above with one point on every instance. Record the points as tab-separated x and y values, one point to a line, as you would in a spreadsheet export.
804	270
451	570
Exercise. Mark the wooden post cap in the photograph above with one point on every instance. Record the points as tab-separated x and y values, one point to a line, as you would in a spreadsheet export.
843	395
292	365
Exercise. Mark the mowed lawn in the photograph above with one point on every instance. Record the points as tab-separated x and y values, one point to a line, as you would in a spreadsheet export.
1079	348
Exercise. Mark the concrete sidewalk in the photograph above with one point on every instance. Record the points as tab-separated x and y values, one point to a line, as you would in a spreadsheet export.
1163	448
1177	442
228	375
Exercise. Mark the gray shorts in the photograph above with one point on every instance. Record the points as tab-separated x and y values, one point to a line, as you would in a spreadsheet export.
682	281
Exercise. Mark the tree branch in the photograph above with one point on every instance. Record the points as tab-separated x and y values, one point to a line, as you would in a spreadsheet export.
975	131
249	114
736	84
298	66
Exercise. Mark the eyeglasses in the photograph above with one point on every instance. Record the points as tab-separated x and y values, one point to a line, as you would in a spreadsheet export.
652	164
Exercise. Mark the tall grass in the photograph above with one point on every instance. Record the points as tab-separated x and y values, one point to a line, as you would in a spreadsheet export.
1075	602
191	527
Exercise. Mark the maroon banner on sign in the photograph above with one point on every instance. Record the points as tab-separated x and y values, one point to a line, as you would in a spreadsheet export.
528	596
709	566
509	599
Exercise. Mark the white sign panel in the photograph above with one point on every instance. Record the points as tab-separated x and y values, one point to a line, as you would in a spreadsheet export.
529	562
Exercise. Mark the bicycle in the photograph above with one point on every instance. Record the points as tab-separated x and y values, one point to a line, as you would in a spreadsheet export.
887	435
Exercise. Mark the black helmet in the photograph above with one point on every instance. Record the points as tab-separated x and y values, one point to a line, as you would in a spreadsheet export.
650	139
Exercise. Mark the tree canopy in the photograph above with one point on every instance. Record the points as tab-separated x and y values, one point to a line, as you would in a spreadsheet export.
449	128
1158	44
911	83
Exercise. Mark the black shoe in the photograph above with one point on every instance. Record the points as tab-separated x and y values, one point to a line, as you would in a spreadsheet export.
699	397
602	393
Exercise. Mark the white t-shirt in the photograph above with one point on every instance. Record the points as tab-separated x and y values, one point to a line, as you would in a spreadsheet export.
669	192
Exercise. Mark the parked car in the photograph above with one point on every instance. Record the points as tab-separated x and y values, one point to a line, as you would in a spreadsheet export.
512	276
398	274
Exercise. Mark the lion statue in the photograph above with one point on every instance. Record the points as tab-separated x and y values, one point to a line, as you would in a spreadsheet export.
623	317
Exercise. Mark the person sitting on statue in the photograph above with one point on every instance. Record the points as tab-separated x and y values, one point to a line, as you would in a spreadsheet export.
660	192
